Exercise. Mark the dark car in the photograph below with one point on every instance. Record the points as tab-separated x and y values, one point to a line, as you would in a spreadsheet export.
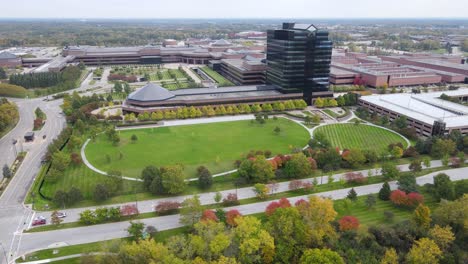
44	136
40	220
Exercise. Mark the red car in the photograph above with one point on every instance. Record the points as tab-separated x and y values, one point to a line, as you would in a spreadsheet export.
40	220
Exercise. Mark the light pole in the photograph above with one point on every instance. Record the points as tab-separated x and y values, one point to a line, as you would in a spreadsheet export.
4	253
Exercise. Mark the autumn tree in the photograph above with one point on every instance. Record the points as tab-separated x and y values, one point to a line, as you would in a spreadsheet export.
355	158
231	217
422	217
55	219
424	251
321	256
390	257
261	190
255	244
348	223
209	240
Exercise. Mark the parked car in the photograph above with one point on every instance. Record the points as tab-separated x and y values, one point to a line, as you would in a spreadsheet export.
44	136
40	220
61	215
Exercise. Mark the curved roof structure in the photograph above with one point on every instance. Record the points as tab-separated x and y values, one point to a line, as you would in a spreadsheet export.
150	93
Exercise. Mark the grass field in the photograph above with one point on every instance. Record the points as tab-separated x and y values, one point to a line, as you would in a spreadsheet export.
347	136
217	77
215	145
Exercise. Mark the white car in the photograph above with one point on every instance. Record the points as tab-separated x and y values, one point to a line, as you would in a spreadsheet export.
61	214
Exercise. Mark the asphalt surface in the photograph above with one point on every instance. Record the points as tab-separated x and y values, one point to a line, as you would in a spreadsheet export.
14	216
34	241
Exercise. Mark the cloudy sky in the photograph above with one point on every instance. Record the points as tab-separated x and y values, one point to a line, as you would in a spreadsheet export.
233	8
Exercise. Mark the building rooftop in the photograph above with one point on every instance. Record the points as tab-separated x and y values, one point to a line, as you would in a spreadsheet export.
7	55
426	107
151	92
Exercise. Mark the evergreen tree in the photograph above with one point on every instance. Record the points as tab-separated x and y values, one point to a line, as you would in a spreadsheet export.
6	171
352	195
384	193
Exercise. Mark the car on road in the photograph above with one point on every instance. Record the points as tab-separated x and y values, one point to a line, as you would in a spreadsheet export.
61	215
40	220
14	141
44	136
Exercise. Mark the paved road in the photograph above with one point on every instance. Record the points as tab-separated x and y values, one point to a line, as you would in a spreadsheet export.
73	215
35	241
13	215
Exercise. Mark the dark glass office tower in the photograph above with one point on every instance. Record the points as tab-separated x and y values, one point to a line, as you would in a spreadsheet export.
298	60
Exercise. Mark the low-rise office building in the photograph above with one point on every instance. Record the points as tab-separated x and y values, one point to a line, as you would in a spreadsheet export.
427	113
246	71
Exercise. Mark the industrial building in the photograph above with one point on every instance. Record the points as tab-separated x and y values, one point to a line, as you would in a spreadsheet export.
426	112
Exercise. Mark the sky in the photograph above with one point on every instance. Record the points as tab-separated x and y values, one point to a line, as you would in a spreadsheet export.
233	9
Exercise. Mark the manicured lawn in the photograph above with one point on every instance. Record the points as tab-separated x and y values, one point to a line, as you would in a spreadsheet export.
375	216
347	136
215	145
217	77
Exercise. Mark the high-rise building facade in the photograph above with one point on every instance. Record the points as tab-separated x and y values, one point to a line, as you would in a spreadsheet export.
298	59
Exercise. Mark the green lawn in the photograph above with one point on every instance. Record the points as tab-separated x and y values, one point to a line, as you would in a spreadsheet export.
347	136
217	77
215	145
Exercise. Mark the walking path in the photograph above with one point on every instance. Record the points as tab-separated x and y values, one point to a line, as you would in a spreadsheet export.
73	215
88	234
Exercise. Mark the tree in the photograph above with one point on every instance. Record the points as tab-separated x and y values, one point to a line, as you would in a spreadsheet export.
319	103
443	187
384	193
74	195
255	244
424	251
118	87
427	162
3	74
151	231
282	203
148	175
205	179
135	230
318	213
352	195
173	179
443	236
442	147
261	191
6	171
231	217
355	157
60	198
400	122
415	166
256	169
422	217
277	130
88	217
453	213
55	219
101	193
390	257
191	211
321	256
407	183
348	223
397	152
129	210
209	215
390	171
218	196
134	138
298	166
370	201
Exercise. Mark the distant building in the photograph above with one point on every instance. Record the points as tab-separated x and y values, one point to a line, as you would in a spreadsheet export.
298	59
9	60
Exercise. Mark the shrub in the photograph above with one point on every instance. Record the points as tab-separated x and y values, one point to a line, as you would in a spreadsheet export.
355	178
400	198
128	209
295	185
205	179
348	223
167	207
209	215
414	199
230	200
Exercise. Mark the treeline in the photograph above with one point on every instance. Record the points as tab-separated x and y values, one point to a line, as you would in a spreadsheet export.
8	114
61	81
208	111
342	100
